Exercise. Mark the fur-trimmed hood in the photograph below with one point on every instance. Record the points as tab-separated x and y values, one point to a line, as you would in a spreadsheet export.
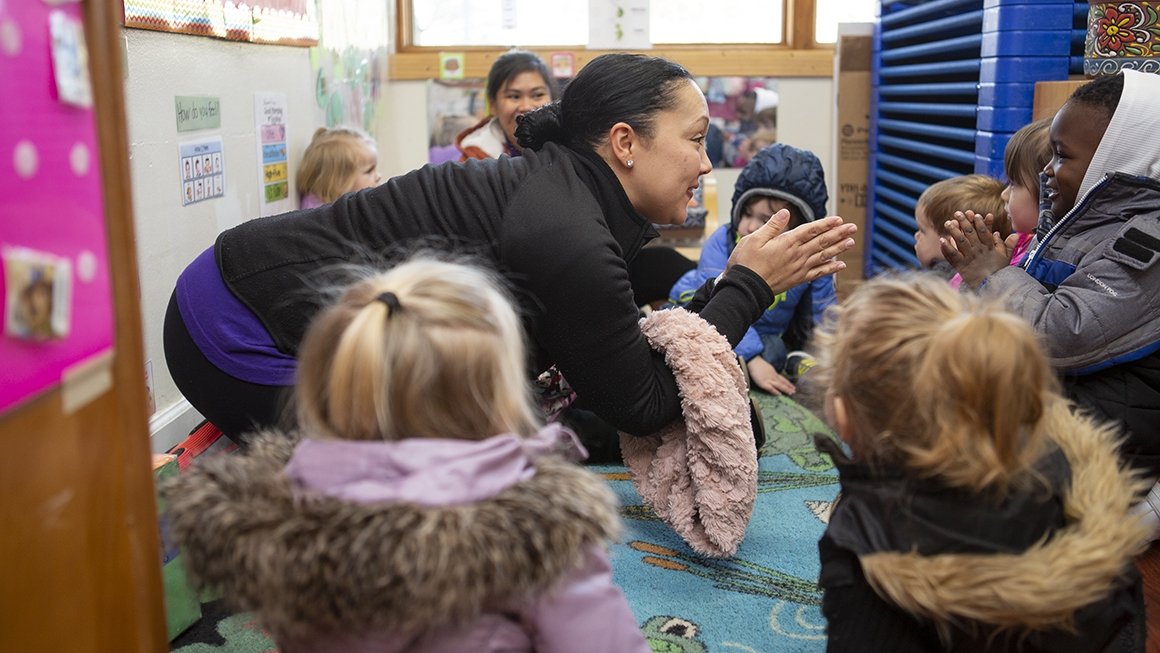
1044	585
311	564
699	474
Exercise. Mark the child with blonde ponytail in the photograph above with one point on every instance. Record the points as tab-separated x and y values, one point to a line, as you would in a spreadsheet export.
978	511
424	506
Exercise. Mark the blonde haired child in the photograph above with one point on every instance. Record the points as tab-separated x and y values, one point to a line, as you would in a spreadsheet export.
978	512
426	508
337	161
980	193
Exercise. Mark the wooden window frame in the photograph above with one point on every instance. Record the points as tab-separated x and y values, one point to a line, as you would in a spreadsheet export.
799	56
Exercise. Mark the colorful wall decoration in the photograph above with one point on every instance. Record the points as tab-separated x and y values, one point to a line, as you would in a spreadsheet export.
350	62
285	22
1122	35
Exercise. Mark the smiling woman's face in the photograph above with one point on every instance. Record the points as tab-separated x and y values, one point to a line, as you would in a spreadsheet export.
522	93
667	167
1076	132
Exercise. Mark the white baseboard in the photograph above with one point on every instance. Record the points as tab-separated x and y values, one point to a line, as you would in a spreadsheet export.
172	425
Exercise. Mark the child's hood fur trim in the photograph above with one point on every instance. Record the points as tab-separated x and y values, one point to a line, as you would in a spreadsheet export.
306	561
1045	585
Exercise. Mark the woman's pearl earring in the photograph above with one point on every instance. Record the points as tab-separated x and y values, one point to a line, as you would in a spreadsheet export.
628	163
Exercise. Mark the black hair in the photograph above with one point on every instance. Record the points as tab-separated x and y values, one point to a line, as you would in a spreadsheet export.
612	88
1102	94
512	63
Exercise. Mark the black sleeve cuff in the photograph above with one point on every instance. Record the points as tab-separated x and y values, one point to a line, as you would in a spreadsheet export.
735	302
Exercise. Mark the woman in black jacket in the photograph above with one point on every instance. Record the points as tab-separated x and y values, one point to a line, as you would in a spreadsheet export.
622	148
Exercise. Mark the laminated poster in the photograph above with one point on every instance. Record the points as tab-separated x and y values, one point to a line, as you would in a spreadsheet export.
202	170
273	173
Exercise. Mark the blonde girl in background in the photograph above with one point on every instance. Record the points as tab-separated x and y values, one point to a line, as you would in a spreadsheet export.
338	160
977	512
425	508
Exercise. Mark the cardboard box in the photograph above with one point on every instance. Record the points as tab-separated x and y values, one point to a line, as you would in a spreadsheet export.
1050	96
182	606
852	87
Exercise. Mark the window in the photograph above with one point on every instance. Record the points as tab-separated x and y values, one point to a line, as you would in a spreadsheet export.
831	12
442	23
769	38
556	23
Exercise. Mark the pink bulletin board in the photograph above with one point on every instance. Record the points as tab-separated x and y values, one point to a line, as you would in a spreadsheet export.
51	200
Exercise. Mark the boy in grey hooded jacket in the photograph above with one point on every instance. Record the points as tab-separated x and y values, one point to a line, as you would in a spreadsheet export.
1090	287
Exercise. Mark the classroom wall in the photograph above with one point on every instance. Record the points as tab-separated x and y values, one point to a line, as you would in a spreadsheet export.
403	129
161	66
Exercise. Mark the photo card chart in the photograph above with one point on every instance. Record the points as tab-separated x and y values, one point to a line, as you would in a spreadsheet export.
202	170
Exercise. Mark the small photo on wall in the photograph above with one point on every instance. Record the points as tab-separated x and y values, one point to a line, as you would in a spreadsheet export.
38	288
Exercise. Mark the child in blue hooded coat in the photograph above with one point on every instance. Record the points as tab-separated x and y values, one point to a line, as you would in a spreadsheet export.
778	177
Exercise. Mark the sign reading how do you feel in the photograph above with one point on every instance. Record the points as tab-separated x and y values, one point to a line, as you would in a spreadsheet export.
198	112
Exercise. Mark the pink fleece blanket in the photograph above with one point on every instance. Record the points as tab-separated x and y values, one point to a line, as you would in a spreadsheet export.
699	474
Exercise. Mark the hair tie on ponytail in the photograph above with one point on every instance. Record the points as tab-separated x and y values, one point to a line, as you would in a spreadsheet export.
391	300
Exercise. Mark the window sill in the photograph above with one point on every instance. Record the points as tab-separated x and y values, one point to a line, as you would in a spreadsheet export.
741	61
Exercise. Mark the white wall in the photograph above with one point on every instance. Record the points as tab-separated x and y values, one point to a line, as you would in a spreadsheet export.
161	66
402	130
805	119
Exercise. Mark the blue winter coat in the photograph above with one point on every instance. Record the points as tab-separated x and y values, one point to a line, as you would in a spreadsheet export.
788	173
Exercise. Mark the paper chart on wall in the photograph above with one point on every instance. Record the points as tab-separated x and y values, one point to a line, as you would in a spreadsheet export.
203	173
618	25
273	171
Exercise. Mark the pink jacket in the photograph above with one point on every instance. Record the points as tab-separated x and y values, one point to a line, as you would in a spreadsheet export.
419	545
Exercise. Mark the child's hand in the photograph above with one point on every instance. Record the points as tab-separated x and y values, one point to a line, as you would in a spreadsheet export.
762	374
974	250
802	254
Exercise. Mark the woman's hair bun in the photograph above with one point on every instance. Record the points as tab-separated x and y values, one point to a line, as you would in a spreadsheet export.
543	125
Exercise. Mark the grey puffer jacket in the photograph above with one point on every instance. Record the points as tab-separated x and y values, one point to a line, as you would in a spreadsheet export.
1092	287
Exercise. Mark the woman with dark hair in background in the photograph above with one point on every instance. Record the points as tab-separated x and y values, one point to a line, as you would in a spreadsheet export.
518	82
623	148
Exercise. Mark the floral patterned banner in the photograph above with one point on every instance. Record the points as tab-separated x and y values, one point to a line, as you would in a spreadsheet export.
1122	35
285	22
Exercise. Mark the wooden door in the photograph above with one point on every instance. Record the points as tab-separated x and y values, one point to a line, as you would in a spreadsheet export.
80	554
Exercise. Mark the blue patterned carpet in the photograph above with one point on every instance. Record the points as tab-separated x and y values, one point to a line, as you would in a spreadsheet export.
764	600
